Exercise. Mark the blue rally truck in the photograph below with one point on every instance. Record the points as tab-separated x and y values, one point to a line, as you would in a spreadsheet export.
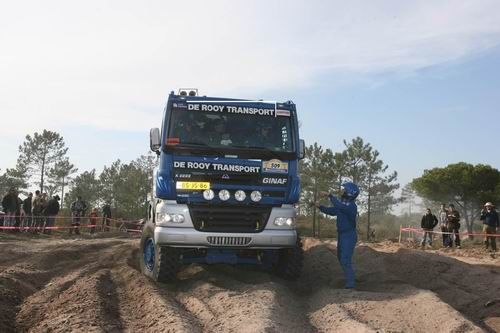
225	188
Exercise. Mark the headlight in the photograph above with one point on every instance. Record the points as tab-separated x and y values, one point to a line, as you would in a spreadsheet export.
162	218
208	194
282	221
240	195
224	195
255	196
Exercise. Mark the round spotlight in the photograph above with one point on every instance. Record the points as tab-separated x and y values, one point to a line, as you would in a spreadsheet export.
256	196
208	194
224	195
178	218
240	195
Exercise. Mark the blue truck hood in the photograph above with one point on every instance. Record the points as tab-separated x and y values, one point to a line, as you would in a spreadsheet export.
276	180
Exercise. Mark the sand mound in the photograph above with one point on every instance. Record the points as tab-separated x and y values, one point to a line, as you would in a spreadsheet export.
94	285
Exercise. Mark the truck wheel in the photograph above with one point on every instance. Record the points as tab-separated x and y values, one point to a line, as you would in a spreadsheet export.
290	262
158	263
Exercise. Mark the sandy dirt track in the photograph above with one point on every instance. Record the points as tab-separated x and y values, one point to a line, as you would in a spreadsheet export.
94	285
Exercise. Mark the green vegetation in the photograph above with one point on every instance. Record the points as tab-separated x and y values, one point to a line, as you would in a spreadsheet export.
465	185
43	162
323	170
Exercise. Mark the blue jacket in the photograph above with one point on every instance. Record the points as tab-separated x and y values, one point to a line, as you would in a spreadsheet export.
346	212
490	218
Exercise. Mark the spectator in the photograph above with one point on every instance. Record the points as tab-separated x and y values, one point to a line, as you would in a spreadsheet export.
27	207
78	209
429	221
19	214
93	216
50	211
489	216
37	211
106	216
10	206
453	226
443	224
44	202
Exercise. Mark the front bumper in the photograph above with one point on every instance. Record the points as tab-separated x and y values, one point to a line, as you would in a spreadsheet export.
186	237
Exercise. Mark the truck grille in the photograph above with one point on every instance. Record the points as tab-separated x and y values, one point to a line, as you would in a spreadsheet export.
228	241
246	219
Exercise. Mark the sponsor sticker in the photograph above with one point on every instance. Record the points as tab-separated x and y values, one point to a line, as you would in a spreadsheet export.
275	166
200	106
274	181
282	113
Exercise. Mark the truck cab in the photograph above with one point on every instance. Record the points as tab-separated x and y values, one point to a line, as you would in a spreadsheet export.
226	186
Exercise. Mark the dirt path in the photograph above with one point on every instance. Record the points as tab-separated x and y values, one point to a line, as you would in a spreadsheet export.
94	285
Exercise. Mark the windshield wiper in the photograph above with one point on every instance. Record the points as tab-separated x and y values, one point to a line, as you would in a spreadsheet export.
197	147
277	154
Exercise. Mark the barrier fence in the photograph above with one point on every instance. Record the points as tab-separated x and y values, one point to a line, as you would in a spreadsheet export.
27	223
412	231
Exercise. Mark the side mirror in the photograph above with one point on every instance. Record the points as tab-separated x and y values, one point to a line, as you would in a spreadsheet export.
155	140
302	149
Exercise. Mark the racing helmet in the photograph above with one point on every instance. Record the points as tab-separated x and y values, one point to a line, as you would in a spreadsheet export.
350	191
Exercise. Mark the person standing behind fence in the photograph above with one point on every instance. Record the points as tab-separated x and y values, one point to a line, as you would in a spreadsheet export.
50	211
27	207
37	211
106	216
443	224
454	226
10	207
93	217
429	221
491	222
44	202
78	209
19	214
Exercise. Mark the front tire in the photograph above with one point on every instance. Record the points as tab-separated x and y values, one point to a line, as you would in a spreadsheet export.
158	263
290	262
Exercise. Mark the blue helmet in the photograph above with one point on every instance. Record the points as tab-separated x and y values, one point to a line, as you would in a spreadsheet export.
350	191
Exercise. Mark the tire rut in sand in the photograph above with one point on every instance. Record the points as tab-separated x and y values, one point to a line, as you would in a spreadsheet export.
18	282
235	299
79	296
145	306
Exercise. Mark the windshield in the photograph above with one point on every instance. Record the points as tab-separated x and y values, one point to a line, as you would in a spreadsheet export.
231	130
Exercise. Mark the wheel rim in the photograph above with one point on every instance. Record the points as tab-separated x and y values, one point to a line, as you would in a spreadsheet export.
149	254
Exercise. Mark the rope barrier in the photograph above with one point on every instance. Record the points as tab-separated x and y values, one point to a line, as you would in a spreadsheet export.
422	231
101	223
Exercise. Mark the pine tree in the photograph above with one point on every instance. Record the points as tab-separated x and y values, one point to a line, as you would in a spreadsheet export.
60	175
40	152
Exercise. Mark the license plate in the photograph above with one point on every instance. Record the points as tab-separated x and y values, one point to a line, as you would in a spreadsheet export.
192	186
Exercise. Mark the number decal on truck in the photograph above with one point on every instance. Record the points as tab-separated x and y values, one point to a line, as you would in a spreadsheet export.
275	166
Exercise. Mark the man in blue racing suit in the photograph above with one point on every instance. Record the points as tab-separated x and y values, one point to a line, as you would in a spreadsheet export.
346	212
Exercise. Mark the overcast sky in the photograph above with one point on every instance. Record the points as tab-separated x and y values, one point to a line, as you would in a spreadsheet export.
420	80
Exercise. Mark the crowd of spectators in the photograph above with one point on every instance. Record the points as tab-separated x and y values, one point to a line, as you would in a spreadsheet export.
449	224
38	213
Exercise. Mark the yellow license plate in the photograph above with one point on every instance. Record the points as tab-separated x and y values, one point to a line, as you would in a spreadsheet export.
192	186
